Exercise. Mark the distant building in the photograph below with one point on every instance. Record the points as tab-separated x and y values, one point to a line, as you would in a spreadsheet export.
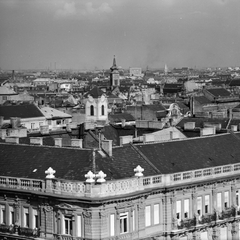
135	72
114	74
96	106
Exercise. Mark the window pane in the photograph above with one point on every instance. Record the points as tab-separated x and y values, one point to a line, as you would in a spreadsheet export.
156	214
112	224
147	216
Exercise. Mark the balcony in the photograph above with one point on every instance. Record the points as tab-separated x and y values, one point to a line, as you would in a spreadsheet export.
66	237
117	187
227	213
187	223
28	232
205	219
6	229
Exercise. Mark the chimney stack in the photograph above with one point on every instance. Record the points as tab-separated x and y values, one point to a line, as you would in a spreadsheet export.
107	146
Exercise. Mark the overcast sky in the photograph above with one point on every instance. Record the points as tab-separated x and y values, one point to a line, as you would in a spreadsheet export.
81	34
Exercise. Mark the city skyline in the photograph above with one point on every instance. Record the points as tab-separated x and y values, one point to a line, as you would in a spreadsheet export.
86	34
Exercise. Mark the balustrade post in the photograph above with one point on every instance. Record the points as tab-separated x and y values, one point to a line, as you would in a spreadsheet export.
216	233
235	231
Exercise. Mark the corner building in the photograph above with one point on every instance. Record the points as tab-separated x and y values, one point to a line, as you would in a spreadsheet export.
181	189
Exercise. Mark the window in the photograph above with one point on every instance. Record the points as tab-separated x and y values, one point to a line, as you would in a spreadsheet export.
79	226
156	214
11	215
102	109
147	216
219	202
123	223
178	210
206	206
133	220
67	225
237	198
226	199
186	208
35	218
49	122
40	123
32	125
25	217
2	214
112	225
92	110
199	206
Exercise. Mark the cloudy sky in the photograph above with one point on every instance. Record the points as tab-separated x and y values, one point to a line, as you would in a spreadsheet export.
85	34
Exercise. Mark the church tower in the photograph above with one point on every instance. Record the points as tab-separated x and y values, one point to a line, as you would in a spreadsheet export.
114	74
96	106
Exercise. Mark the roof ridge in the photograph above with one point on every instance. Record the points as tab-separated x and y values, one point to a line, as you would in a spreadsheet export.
145	158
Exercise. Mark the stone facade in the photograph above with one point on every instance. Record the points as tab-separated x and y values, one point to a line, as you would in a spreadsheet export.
200	204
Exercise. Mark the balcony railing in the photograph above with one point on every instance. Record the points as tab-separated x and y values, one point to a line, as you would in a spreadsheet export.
208	218
6	229
187	223
29	232
227	213
117	187
66	237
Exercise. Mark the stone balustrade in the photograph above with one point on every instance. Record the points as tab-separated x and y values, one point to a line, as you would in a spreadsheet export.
117	187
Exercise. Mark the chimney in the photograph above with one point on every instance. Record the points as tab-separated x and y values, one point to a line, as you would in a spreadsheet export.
123	122
14	122
126	139
189	126
58	142
1	120
77	143
44	129
12	140
234	128
107	146
36	140
207	131
174	135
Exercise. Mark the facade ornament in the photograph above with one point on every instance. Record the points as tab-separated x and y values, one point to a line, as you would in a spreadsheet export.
101	175
90	177
50	173
47	208
87	214
138	171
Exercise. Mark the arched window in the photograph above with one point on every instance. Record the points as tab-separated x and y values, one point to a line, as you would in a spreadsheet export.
102	109
92	110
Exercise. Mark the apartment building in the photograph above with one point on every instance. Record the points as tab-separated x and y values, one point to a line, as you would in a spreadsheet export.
181	189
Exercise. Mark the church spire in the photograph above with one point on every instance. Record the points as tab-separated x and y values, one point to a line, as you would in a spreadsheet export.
114	66
114	61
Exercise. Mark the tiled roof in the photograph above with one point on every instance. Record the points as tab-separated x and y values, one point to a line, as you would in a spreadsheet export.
6	91
202	100
21	111
95	92
28	161
115	118
219	92
199	121
51	113
190	154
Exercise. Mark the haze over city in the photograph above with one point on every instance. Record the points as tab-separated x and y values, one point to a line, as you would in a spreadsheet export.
73	34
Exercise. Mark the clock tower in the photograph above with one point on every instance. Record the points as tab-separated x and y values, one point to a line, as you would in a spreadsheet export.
114	75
